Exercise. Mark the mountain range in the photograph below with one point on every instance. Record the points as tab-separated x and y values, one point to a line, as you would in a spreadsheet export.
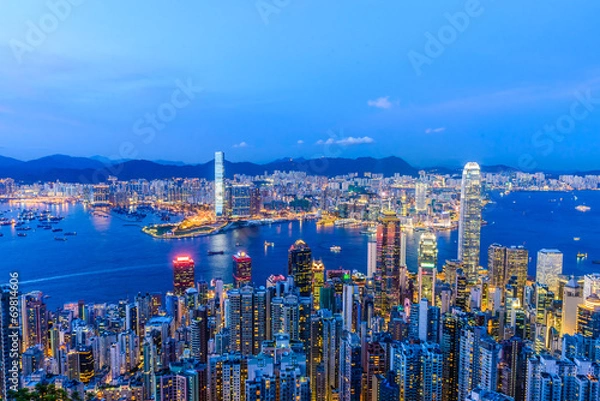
97	169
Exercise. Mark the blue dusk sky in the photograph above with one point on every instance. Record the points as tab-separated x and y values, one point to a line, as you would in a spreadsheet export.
434	82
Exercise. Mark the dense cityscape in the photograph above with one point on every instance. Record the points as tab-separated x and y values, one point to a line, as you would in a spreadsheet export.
474	328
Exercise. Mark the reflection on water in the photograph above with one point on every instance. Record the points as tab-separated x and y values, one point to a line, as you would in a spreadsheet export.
109	259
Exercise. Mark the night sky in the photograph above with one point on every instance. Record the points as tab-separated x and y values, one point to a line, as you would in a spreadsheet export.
434	82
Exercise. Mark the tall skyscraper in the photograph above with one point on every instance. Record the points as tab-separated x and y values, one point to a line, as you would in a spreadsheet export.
183	275
34	320
300	266
427	267
420	197
242	269
240	200
571	299
469	225
318	271
549	267
388	270
219	183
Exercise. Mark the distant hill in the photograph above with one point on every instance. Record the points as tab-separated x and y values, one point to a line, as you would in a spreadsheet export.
98	169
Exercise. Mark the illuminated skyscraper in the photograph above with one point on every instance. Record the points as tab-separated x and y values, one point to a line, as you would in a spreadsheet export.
242	269
549	267
389	255
219	183
183	275
318	271
35	320
571	299
588	317
427	267
300	266
469	225
421	197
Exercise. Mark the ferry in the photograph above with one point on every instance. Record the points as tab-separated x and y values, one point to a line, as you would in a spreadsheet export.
581	256
269	244
212	253
336	249
576	238
583	208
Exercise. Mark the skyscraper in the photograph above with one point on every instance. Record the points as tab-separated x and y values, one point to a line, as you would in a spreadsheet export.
420	197
240	200
183	275
300	266
427	267
571	299
219	183
549	267
389	255
242	269
318	272
469	226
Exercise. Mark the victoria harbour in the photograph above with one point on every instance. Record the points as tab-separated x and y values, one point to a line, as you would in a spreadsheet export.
110	258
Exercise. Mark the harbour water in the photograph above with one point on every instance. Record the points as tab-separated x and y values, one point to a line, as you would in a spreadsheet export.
110	259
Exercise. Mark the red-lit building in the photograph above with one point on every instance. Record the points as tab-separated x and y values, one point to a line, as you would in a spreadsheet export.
242	269
183	275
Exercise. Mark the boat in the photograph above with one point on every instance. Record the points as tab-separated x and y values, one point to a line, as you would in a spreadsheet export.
22	235
583	208
576	238
24	229
212	253
71	234
267	244
336	249
581	256
60	239
57	230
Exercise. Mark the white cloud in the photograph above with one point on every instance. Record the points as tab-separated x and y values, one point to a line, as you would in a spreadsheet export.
381	102
300	142
347	141
435	130
241	145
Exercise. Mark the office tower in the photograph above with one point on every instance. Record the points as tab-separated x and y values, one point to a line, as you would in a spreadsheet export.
219	183
427	267
572	297
591	285
497	265
469	225
449	269
348	294
318	280
242	269
517	262
351	368
34	320
549	267
388	271
420	197
371	257
183	275
588	317
199	334
300	267
85	360
462	292
240	200
450	346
